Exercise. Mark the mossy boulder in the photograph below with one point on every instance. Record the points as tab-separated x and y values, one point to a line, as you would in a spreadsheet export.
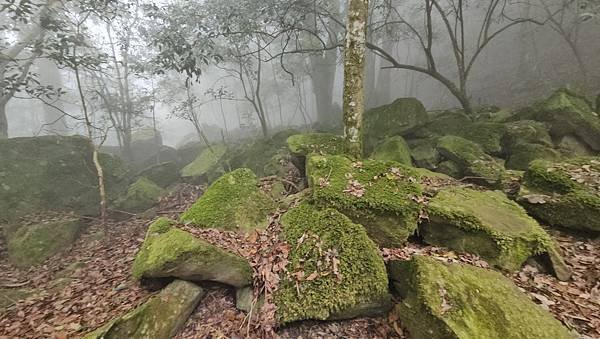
569	144
393	149
446	123
400	117
207	167
488	135
459	301
140	196
485	223
233	202
450	168
163	174
522	155
253	154
31	245
525	132
161	317
171	252
424	153
472	160
53	173
334	270
319	143
379	195
565	194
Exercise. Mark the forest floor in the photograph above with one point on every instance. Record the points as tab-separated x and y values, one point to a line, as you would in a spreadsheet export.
90	284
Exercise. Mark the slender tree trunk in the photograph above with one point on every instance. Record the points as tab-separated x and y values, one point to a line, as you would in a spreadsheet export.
598	103
354	73
3	120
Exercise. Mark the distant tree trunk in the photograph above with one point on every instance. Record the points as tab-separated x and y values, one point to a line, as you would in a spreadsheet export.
54	119
3	120
354	72
598	103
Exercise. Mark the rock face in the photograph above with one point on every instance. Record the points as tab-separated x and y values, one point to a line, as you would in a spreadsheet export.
335	270
525	132
140	196
523	154
488	135
393	149
376	194
458	301
319	143
485	223
207	166
163	174
170	252
400	117
447	123
471	159
52	173
424	153
161	317
32	244
564	194
233	202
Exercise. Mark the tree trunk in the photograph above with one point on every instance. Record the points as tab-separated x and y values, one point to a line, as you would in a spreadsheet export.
3	121
598	103
53	117
354	73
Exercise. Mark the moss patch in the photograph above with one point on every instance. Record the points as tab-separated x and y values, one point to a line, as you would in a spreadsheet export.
140	196
523	154
525	131
377	194
319	143
488	135
162	174
564	194
484	223
459	301
207	166
170	252
32	244
160	317
233	202
393	149
349	275
425	154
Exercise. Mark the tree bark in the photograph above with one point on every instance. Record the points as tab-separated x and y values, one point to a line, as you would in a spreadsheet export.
354	73
598	103
3	120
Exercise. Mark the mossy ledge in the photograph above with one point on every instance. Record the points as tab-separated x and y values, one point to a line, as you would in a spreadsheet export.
233	202
380	195
171	252
319	143
356	286
460	301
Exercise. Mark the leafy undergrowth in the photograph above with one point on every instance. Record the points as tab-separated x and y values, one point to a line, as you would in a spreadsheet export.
100	286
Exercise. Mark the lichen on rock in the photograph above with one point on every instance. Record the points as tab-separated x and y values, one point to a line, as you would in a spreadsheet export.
485	223
460	301
334	271
171	252
233	202
380	195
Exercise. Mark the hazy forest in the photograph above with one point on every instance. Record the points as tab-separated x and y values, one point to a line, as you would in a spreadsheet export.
422	169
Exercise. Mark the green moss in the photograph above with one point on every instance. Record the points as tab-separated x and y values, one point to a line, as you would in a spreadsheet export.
359	288
32	244
400	117
253	154
319	143
472	160
208	164
377	194
446	123
161	317
140	196
460	301
233	202
568	197
162	174
393	149
523	154
170	252
525	131
488	135
425	154
485	223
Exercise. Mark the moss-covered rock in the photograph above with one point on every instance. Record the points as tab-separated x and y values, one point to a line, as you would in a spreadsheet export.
253	154
171	252
163	174
472	160
319	143
459	301
161	317
522	155
450	168
571	145
424	153
488	135
334	271
233	202
376	194
208	166
485	223
525	132
140	196
446	123
53	173
400	117
32	244
565	194
393	149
